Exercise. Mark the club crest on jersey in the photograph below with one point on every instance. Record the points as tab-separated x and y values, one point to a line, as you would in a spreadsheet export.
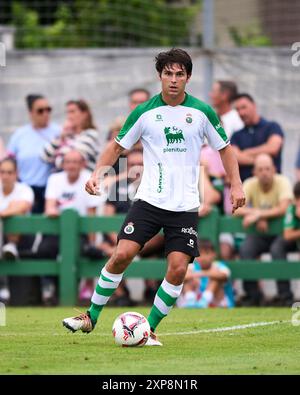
189	118
173	135
129	228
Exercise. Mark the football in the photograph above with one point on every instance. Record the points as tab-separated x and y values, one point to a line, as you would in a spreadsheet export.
131	329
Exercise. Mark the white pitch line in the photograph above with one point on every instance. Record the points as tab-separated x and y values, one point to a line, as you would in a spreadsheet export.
226	328
212	330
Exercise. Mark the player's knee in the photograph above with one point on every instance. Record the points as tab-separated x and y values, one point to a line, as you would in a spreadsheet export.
179	273
121	257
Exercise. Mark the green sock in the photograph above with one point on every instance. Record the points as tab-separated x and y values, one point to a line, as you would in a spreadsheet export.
107	284
165	299
95	311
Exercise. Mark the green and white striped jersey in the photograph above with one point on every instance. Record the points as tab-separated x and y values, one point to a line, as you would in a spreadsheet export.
172	137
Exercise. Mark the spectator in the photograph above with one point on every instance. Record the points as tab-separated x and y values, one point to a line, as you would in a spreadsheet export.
65	190
259	136
114	129
227	246
222	96
298	166
16	198
267	195
290	241
211	195
79	133
137	96
207	281
27	143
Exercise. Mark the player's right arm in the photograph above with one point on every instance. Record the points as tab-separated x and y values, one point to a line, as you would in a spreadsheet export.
107	159
127	137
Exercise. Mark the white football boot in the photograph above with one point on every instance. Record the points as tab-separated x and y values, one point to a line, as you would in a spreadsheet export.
82	322
152	340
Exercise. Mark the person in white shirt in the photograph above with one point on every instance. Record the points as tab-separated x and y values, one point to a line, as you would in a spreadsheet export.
222	95
172	126
65	190
26	145
16	198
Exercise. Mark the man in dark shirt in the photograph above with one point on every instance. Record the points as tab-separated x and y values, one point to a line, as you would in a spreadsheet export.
257	137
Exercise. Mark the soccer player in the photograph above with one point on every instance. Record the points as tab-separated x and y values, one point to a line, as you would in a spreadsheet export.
172	126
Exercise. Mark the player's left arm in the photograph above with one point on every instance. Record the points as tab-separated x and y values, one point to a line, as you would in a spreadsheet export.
232	170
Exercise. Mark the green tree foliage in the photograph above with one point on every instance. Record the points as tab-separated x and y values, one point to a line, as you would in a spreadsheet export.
106	23
250	36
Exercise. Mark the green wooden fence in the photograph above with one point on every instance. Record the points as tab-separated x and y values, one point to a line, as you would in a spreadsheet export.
70	266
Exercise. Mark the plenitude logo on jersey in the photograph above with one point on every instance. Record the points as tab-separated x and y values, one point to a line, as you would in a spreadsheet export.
174	135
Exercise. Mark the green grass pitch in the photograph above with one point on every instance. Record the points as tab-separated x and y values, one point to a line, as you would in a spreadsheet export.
35	342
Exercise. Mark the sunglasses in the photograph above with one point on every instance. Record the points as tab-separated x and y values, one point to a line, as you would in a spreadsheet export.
43	109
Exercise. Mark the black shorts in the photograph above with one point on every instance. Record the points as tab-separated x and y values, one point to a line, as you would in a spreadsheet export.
144	221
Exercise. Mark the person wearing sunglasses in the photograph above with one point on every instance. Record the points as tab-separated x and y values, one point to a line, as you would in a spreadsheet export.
27	143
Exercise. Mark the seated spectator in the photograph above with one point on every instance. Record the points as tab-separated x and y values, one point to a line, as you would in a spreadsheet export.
268	196
290	241
16	198
298	166
137	96
207	281
227	246
259	136
26	145
223	94
79	133
64	191
114	130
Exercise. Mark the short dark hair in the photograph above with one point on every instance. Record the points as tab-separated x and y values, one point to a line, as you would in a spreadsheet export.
11	160
206	245
244	96
31	99
175	55
135	90
297	190
230	87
